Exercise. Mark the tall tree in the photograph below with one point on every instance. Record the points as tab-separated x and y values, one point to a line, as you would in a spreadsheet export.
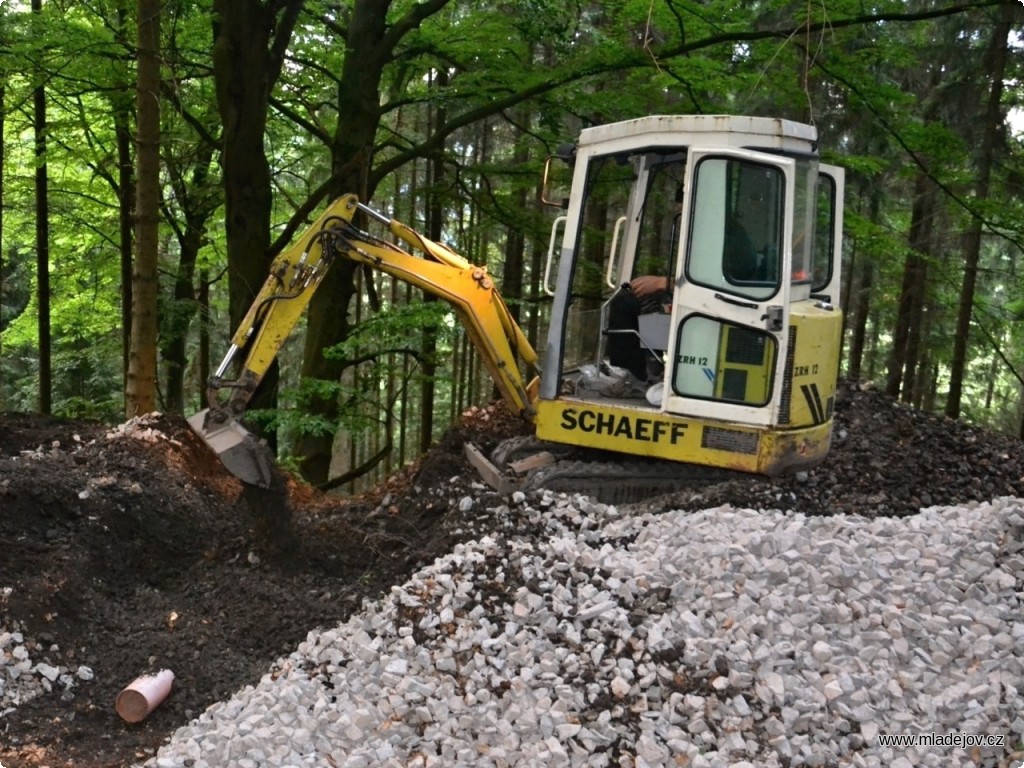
4	42
196	201
991	133
193	191
435	229
140	390
42	241
121	111
250	39
3	155
903	351
370	44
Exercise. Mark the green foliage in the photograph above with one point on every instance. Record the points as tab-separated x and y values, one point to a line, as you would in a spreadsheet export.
384	346
16	287
395	328
892	100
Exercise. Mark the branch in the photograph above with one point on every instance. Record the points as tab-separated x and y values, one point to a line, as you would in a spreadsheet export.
829	24
889	128
303	213
310	127
171	95
419	13
553	80
283	28
362	469
351	362
998	350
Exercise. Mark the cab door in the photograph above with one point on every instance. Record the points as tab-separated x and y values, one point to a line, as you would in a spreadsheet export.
730	318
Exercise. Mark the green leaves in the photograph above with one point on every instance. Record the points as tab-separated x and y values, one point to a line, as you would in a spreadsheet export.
473	96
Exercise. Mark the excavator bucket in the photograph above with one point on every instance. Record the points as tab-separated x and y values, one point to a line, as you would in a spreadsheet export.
245	457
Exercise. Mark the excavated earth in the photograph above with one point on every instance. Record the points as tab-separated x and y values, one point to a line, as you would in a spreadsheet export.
125	550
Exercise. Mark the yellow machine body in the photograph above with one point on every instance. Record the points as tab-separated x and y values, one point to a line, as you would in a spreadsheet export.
801	440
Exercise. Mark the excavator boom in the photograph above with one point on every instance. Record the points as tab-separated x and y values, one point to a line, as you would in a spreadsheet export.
295	276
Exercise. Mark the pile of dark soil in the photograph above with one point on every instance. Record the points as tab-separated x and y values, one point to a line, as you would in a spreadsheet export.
886	459
137	552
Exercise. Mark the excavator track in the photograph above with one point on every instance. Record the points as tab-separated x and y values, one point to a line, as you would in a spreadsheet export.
616	482
529	464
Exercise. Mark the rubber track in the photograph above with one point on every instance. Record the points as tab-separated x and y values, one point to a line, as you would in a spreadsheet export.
616	482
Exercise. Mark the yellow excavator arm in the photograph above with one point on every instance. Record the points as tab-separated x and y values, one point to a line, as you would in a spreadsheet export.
295	276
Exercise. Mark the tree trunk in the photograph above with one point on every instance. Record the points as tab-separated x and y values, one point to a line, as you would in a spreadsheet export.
404	290
515	239
923	364
42	244
249	43
140	390
435	225
918	290
857	296
860	298
351	152
914	275
120	107
196	206
991	126
873	342
369	46
203	300
176	325
126	217
539	300
3	154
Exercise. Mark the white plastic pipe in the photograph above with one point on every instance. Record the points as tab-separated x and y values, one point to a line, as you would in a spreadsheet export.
143	695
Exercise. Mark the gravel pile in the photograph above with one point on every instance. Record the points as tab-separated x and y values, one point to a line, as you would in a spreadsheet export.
726	637
26	670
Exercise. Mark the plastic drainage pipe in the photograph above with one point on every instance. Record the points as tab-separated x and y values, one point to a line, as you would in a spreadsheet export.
143	695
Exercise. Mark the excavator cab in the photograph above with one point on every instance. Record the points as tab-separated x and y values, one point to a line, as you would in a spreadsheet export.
734	364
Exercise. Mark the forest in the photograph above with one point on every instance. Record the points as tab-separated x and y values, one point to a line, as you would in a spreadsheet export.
156	157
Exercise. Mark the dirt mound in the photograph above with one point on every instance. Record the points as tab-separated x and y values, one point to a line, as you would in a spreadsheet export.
886	459
127	550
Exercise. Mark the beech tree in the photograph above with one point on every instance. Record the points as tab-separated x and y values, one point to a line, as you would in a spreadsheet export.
140	390
42	212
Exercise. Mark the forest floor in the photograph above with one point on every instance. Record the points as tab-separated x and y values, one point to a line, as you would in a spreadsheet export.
125	550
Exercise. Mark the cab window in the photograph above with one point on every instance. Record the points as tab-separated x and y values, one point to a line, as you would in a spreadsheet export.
736	230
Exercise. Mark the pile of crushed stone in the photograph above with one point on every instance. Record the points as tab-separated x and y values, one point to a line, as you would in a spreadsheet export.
717	638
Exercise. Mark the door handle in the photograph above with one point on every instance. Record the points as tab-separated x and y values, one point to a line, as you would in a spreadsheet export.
735	302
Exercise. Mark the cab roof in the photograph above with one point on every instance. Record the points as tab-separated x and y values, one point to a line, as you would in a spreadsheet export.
767	133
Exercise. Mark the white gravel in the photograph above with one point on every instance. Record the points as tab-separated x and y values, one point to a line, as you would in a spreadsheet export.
725	637
25	671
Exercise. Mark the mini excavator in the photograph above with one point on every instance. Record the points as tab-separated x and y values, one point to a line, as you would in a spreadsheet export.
740	364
